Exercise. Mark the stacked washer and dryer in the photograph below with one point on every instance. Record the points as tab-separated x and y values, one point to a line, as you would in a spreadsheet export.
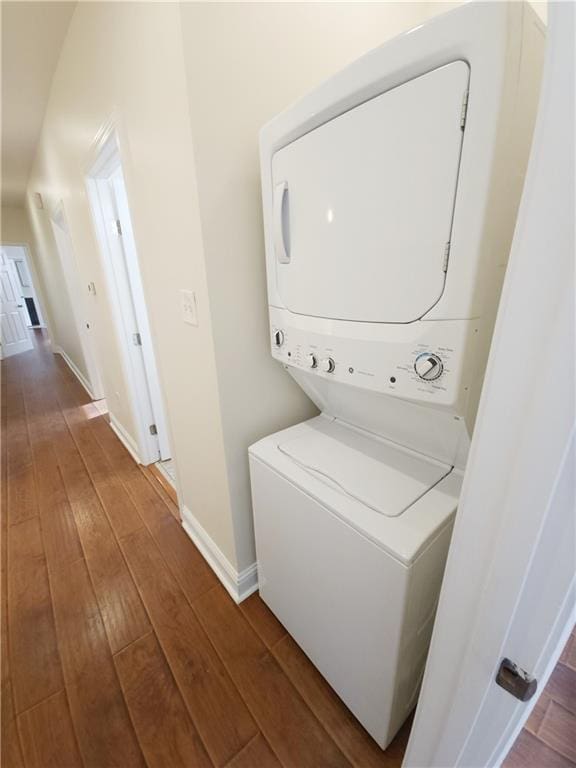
390	195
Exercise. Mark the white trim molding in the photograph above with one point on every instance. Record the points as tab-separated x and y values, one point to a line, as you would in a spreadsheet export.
57	350
239	584
125	438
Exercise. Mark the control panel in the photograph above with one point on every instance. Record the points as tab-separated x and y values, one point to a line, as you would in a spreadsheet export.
419	361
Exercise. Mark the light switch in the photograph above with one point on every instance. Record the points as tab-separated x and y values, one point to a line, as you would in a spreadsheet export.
189	307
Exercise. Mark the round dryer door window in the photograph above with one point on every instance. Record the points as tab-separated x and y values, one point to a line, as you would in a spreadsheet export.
363	204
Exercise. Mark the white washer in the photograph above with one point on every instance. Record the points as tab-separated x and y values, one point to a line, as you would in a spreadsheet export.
389	199
352	534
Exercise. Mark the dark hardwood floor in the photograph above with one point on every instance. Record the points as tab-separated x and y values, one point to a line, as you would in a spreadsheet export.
119	645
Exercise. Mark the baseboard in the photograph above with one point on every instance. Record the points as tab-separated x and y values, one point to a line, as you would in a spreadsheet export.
75	370
239	585
127	440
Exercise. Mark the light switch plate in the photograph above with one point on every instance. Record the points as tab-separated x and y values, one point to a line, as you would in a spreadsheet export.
189	307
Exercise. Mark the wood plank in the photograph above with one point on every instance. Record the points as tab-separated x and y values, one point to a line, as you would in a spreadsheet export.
47	735
35	662
61	540
289	726
257	754
122	611
561	687
120	510
124	615
103	727
558	730
10	754
10	751
262	620
568	656
336	718
164	487
219	714
164	729
530	751
22	502
537	715
187	565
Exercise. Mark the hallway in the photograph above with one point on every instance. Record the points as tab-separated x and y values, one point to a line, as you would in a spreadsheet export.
123	647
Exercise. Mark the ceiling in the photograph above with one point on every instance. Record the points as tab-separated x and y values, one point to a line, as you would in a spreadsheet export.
32	36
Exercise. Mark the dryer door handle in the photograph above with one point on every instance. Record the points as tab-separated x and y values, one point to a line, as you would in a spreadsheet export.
279	221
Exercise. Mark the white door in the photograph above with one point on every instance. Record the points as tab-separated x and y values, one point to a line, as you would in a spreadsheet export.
138	312
509	589
15	335
113	224
362	208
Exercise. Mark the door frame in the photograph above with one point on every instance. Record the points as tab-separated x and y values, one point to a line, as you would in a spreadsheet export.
509	588
125	288
73	282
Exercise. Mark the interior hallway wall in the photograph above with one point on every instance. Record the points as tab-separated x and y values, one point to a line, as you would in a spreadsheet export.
141	63
246	62
125	61
189	86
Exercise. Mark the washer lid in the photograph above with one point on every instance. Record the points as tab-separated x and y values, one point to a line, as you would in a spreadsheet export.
362	205
384	477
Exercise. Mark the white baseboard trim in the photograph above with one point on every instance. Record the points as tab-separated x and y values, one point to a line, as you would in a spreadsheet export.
239	585
74	368
127	440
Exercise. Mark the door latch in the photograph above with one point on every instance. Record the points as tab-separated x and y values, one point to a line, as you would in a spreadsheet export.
516	680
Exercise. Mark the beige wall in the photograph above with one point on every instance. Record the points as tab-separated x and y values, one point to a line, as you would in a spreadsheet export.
246	62
125	59
190	85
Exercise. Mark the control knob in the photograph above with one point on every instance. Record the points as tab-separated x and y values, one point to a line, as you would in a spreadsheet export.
328	365
428	366
278	338
312	361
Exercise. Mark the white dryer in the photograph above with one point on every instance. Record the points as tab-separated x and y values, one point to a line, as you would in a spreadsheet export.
389	198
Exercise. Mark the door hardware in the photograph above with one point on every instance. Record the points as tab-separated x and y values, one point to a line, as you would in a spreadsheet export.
516	680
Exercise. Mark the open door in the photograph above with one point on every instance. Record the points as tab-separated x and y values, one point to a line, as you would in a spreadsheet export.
113	224
510	586
15	335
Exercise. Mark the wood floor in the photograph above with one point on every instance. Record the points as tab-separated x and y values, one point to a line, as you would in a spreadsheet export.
119	645
121	648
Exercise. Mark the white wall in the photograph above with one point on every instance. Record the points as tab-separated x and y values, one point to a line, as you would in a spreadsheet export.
189	86
142	62
246	62
125	59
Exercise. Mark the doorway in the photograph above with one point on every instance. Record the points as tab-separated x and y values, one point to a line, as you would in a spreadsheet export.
21	258
111	216
77	298
16	337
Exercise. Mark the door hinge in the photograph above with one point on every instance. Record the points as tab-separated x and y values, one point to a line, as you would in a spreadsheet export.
153	430
118	227
464	111
137	339
446	257
516	680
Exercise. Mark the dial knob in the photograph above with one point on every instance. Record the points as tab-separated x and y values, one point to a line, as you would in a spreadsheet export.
278	338
328	365
428	366
312	361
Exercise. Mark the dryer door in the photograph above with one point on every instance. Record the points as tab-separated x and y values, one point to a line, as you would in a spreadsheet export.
362	208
